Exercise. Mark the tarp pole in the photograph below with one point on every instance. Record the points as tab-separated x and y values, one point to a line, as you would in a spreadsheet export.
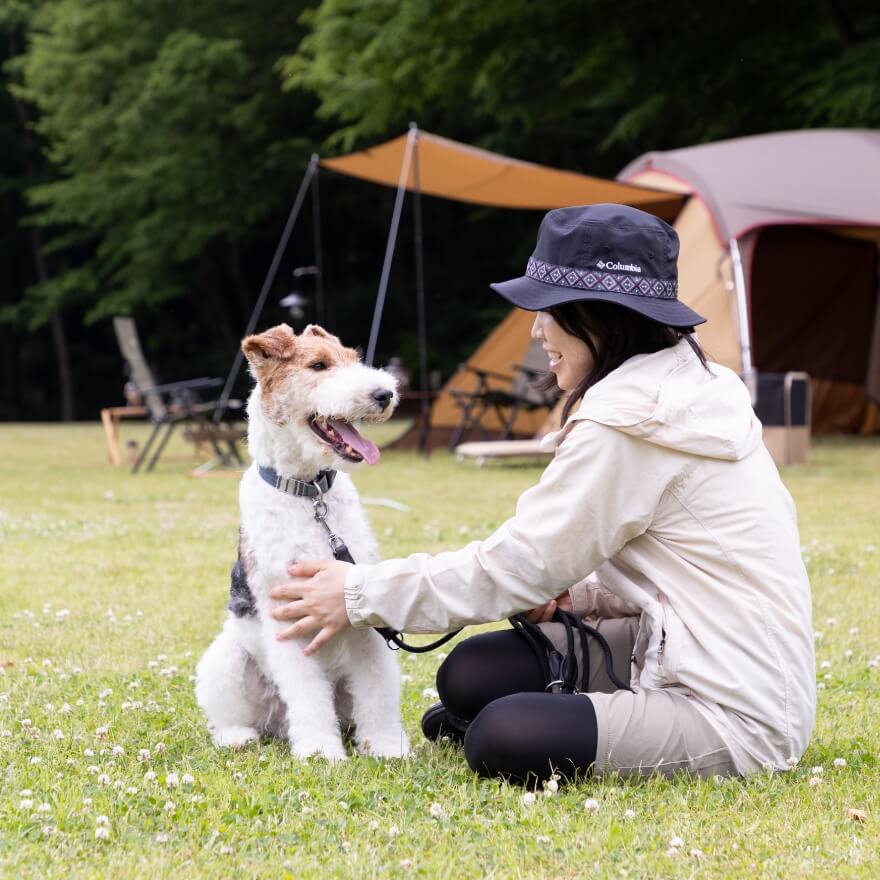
320	305
421	317
389	247
267	282
749	375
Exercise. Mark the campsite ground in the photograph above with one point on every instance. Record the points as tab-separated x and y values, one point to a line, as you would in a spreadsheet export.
111	585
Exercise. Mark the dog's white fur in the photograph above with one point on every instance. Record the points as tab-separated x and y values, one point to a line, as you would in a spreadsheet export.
249	683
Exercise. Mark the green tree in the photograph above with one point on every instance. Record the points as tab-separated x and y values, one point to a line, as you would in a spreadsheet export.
590	84
168	130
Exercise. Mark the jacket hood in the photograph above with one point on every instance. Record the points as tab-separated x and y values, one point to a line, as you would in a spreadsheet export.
670	399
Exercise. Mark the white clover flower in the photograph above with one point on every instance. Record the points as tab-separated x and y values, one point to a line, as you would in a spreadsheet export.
44	808
105	693
48	830
677	842
169	807
149	776
87	802
131	790
118	784
551	786
159	748
815	780
25	804
697	853
118	750
437	811
847	653
65	709
393	831
93	769
430	693
152	664
102	832
816	771
591	805
832	621
792	762
102	820
47	662
825	664
172	780
26	722
528	798
161	837
58	734
817	635
103	779
672	852
6	734
226	850
88	752
839	762
48	707
820	686
101	731
36	760
188	779
143	755
542	838
373	826
629	814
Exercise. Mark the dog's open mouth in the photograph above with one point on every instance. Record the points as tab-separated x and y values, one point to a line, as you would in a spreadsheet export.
344	439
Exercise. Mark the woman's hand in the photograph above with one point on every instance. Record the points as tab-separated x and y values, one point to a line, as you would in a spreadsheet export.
545	612
316	601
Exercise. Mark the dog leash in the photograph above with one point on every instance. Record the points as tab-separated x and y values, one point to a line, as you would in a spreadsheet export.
340	551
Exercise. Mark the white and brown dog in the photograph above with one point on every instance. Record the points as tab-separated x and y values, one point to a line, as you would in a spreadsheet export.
309	391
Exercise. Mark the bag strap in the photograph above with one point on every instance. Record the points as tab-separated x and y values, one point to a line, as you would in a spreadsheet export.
561	672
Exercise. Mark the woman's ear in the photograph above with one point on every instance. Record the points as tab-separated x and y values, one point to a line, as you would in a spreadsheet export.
278	343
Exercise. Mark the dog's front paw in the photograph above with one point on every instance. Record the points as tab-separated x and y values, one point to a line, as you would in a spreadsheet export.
386	745
331	751
235	737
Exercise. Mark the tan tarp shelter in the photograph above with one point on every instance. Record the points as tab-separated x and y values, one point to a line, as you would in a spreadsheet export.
463	173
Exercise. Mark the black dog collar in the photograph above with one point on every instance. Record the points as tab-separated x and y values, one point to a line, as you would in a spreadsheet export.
299	488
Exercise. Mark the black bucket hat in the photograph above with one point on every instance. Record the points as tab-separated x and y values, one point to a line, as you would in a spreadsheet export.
605	253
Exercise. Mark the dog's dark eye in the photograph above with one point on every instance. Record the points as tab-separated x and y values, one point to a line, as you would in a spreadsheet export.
318	365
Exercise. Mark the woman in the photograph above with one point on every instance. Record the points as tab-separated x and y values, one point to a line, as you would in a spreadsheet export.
662	494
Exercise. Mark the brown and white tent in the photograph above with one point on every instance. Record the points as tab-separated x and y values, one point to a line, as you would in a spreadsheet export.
802	209
779	251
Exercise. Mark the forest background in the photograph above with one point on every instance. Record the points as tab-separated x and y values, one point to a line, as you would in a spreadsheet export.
150	151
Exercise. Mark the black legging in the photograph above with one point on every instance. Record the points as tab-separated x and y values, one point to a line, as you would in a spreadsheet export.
517	731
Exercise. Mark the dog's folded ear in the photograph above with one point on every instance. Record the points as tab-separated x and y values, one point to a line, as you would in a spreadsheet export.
278	343
316	330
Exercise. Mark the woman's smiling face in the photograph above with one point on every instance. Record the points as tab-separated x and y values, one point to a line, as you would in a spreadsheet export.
570	358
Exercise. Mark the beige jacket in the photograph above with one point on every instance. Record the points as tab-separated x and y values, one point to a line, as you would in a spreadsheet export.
662	488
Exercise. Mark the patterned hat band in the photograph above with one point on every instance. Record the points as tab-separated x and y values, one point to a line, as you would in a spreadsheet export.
598	280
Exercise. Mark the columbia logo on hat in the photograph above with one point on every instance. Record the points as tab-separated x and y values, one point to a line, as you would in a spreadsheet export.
619	267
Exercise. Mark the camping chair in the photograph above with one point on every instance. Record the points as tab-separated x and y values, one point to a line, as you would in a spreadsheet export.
171	404
507	400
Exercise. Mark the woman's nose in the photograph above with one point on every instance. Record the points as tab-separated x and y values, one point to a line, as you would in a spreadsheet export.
537	332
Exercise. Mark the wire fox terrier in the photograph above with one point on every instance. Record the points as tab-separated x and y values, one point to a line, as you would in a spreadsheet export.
309	390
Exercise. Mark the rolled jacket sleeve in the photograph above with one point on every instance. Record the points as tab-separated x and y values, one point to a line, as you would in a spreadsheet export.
599	492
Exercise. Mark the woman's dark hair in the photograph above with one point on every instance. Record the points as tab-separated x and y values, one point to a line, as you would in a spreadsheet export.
613	334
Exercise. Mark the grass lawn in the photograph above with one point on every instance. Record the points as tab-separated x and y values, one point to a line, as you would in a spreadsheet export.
112	585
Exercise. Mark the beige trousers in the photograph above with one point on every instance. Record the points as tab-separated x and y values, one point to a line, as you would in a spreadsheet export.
652	731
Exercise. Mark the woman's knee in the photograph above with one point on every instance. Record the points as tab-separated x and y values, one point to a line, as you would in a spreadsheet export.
485	667
528	737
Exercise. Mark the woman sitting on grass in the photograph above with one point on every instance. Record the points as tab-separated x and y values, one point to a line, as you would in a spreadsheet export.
661	507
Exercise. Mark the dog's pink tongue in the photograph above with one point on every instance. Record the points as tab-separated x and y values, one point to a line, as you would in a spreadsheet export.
368	450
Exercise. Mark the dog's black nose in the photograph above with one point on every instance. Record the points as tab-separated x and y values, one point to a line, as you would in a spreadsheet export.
383	396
